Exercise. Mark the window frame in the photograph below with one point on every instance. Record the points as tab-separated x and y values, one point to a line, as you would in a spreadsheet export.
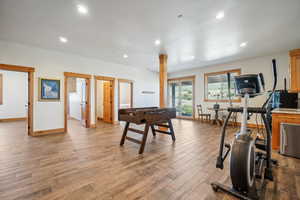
206	75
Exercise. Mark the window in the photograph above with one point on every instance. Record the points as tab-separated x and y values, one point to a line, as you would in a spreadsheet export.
216	86
181	96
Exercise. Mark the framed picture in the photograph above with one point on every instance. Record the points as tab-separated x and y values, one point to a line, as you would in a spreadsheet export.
49	89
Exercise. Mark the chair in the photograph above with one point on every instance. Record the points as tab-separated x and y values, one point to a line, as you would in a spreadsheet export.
202	115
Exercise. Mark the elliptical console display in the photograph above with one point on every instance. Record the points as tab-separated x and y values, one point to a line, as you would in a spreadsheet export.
250	84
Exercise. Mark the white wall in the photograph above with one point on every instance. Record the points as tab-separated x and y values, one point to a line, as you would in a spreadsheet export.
254	65
52	64
15	92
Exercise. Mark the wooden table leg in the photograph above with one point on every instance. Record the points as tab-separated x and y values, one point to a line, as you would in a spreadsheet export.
144	138
124	133
153	130
215	121
171	130
219	122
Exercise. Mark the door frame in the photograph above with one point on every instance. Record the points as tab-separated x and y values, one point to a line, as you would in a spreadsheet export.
131	91
112	80
30	71
87	77
191	78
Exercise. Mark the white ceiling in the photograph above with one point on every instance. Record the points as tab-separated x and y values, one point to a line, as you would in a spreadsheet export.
115	27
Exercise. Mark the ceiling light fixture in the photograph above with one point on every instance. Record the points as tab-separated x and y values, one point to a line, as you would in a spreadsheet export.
220	15
82	9
243	44
63	39
125	56
157	42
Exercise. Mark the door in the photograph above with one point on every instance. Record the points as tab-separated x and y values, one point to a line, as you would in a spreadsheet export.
107	101
174	100
30	103
181	97
125	94
186	98
83	103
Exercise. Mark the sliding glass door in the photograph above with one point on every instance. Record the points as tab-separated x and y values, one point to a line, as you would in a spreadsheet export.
181	96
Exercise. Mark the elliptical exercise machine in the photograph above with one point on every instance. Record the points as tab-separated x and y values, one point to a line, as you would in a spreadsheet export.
246	163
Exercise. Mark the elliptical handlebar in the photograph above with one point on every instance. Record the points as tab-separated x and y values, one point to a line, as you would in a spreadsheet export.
261	76
274	84
274	73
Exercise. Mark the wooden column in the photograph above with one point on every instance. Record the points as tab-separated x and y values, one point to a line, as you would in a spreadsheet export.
30	102
163	78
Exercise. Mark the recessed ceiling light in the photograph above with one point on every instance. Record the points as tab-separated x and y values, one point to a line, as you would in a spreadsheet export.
243	44
125	56
63	39
157	42
82	9
220	15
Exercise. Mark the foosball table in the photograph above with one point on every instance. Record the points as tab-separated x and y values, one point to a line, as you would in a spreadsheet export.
158	119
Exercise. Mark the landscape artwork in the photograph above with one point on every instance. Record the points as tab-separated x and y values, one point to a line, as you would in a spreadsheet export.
49	89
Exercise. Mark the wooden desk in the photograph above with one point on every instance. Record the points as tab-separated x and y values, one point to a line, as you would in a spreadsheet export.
282	116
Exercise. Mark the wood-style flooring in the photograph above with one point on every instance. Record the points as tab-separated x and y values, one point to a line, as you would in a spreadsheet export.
90	164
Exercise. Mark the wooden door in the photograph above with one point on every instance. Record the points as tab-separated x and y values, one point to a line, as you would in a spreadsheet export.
83	104
107	101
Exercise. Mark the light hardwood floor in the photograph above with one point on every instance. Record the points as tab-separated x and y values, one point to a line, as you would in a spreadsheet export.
90	164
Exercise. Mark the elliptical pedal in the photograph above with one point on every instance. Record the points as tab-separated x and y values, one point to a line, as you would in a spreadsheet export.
259	168
233	192
260	144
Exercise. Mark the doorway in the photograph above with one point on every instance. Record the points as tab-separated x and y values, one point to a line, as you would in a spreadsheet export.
22	79
77	100
125	94
181	96
104	99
